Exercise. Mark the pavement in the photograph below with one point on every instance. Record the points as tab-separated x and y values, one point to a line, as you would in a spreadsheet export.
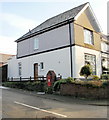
69	99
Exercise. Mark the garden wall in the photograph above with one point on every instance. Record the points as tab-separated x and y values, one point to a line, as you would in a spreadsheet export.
78	90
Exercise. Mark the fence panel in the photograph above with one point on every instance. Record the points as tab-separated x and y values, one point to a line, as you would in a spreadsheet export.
31	79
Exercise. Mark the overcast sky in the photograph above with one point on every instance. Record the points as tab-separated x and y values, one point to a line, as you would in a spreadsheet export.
16	18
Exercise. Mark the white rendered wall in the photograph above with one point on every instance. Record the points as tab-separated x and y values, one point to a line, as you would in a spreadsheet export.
80	60
13	67
58	61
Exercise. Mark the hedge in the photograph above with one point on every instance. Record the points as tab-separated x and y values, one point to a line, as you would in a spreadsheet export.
31	86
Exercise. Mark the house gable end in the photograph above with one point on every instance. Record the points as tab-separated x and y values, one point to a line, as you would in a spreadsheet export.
87	19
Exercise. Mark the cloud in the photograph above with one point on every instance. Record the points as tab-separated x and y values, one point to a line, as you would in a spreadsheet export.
19	22
7	45
22	24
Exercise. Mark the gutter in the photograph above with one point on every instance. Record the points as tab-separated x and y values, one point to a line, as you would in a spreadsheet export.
70	38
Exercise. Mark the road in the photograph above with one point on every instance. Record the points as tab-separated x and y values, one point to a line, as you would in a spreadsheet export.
0	104
22	104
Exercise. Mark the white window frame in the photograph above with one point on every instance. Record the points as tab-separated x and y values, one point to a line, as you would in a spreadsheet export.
36	44
88	37
90	58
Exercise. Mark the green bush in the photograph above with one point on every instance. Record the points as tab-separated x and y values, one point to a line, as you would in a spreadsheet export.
31	86
14	84
49	90
105	84
95	77
94	83
69	80
105	76
57	84
86	71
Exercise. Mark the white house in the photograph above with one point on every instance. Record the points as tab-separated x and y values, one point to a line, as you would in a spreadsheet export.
63	44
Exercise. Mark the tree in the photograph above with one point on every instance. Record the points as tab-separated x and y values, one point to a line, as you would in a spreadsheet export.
86	71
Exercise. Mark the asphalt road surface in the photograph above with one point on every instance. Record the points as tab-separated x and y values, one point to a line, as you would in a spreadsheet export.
20	104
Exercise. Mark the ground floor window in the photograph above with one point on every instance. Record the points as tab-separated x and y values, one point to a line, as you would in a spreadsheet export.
91	60
42	66
105	65
20	69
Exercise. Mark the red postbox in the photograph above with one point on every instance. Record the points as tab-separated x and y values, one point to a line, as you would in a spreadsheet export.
49	80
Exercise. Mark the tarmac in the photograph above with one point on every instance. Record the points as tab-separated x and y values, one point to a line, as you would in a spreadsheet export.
68	99
71	99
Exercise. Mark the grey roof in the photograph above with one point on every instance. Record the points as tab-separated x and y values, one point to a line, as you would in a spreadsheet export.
70	14
106	37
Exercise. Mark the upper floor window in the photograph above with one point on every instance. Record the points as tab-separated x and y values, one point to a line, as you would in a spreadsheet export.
36	43
104	47
88	37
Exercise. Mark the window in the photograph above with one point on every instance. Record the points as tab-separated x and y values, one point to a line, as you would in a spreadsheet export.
20	69
105	64
104	47
36	43
88	37
91	60
41	65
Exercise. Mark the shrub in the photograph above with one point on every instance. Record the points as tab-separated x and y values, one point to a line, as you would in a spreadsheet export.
14	85
86	71
69	80
105	84
105	76
92	83
31	86
95	77
57	84
41	87
95	83
49	90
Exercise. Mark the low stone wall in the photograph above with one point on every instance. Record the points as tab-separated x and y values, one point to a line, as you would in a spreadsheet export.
78	90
